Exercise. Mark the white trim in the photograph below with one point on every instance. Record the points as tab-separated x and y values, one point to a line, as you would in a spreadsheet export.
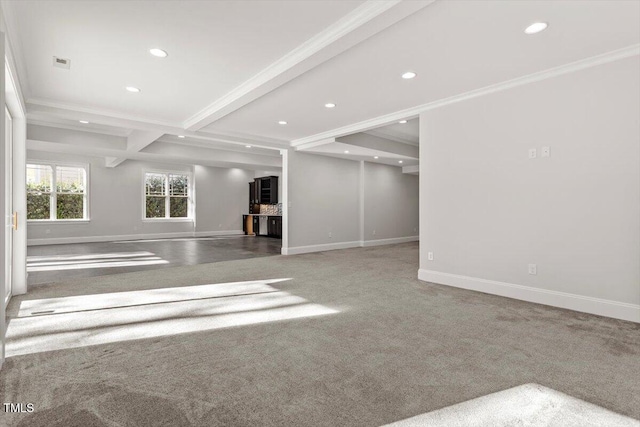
119	132
361	201
315	144
393	136
601	307
319	248
218	233
391	241
414	169
127	119
391	118
350	22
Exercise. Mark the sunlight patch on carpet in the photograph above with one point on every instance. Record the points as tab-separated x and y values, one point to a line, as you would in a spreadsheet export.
528	405
78	262
116	317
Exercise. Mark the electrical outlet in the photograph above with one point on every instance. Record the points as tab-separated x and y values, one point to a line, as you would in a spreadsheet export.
533	153
430	256
545	152
330	235
47	231
533	269
415	230
374	232
219	225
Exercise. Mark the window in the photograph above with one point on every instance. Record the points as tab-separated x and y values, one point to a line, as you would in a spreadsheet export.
56	192
167	195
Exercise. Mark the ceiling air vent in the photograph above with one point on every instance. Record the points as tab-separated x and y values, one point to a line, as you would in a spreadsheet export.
61	62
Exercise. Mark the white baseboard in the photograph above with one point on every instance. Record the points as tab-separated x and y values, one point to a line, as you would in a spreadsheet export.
217	233
392	241
346	245
117	238
601	307
319	248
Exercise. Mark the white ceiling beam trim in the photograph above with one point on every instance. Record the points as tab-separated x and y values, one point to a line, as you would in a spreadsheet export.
226	147
315	144
387	134
136	141
46	111
222	159
413	170
323	46
387	119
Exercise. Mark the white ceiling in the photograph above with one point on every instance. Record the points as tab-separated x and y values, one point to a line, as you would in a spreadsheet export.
235	68
213	47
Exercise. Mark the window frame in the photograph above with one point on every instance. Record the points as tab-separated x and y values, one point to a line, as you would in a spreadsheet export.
53	196
167	211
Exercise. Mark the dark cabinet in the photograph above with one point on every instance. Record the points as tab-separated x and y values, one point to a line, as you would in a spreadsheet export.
275	226
262	191
267	190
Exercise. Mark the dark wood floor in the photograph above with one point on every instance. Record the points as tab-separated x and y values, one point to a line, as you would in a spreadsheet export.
55	263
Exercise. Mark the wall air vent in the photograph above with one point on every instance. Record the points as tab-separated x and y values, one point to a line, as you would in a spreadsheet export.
61	62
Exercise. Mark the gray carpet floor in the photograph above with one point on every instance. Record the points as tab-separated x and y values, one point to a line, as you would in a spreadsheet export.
391	347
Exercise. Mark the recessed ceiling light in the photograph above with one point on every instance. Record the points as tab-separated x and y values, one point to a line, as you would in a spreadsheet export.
180	136
536	27
408	75
132	89
158	52
282	122
346	151
399	161
84	122
247	146
330	105
375	157
402	122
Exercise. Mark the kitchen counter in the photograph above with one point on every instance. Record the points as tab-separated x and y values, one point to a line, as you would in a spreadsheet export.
262	225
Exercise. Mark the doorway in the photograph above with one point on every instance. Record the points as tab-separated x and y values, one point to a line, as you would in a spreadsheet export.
10	222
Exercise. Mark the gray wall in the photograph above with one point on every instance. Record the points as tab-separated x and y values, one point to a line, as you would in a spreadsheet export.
487	210
115	199
222	197
390	202
324	198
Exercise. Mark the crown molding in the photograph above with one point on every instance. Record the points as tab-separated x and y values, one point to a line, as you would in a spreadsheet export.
322	46
367	125
393	136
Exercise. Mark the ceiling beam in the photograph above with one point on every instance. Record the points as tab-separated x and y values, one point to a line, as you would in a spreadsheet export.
136	141
391	118
61	115
215	158
366	20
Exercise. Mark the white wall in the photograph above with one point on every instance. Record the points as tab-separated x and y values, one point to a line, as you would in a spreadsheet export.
116	204
324	197
390	202
487	210
334	200
222	197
